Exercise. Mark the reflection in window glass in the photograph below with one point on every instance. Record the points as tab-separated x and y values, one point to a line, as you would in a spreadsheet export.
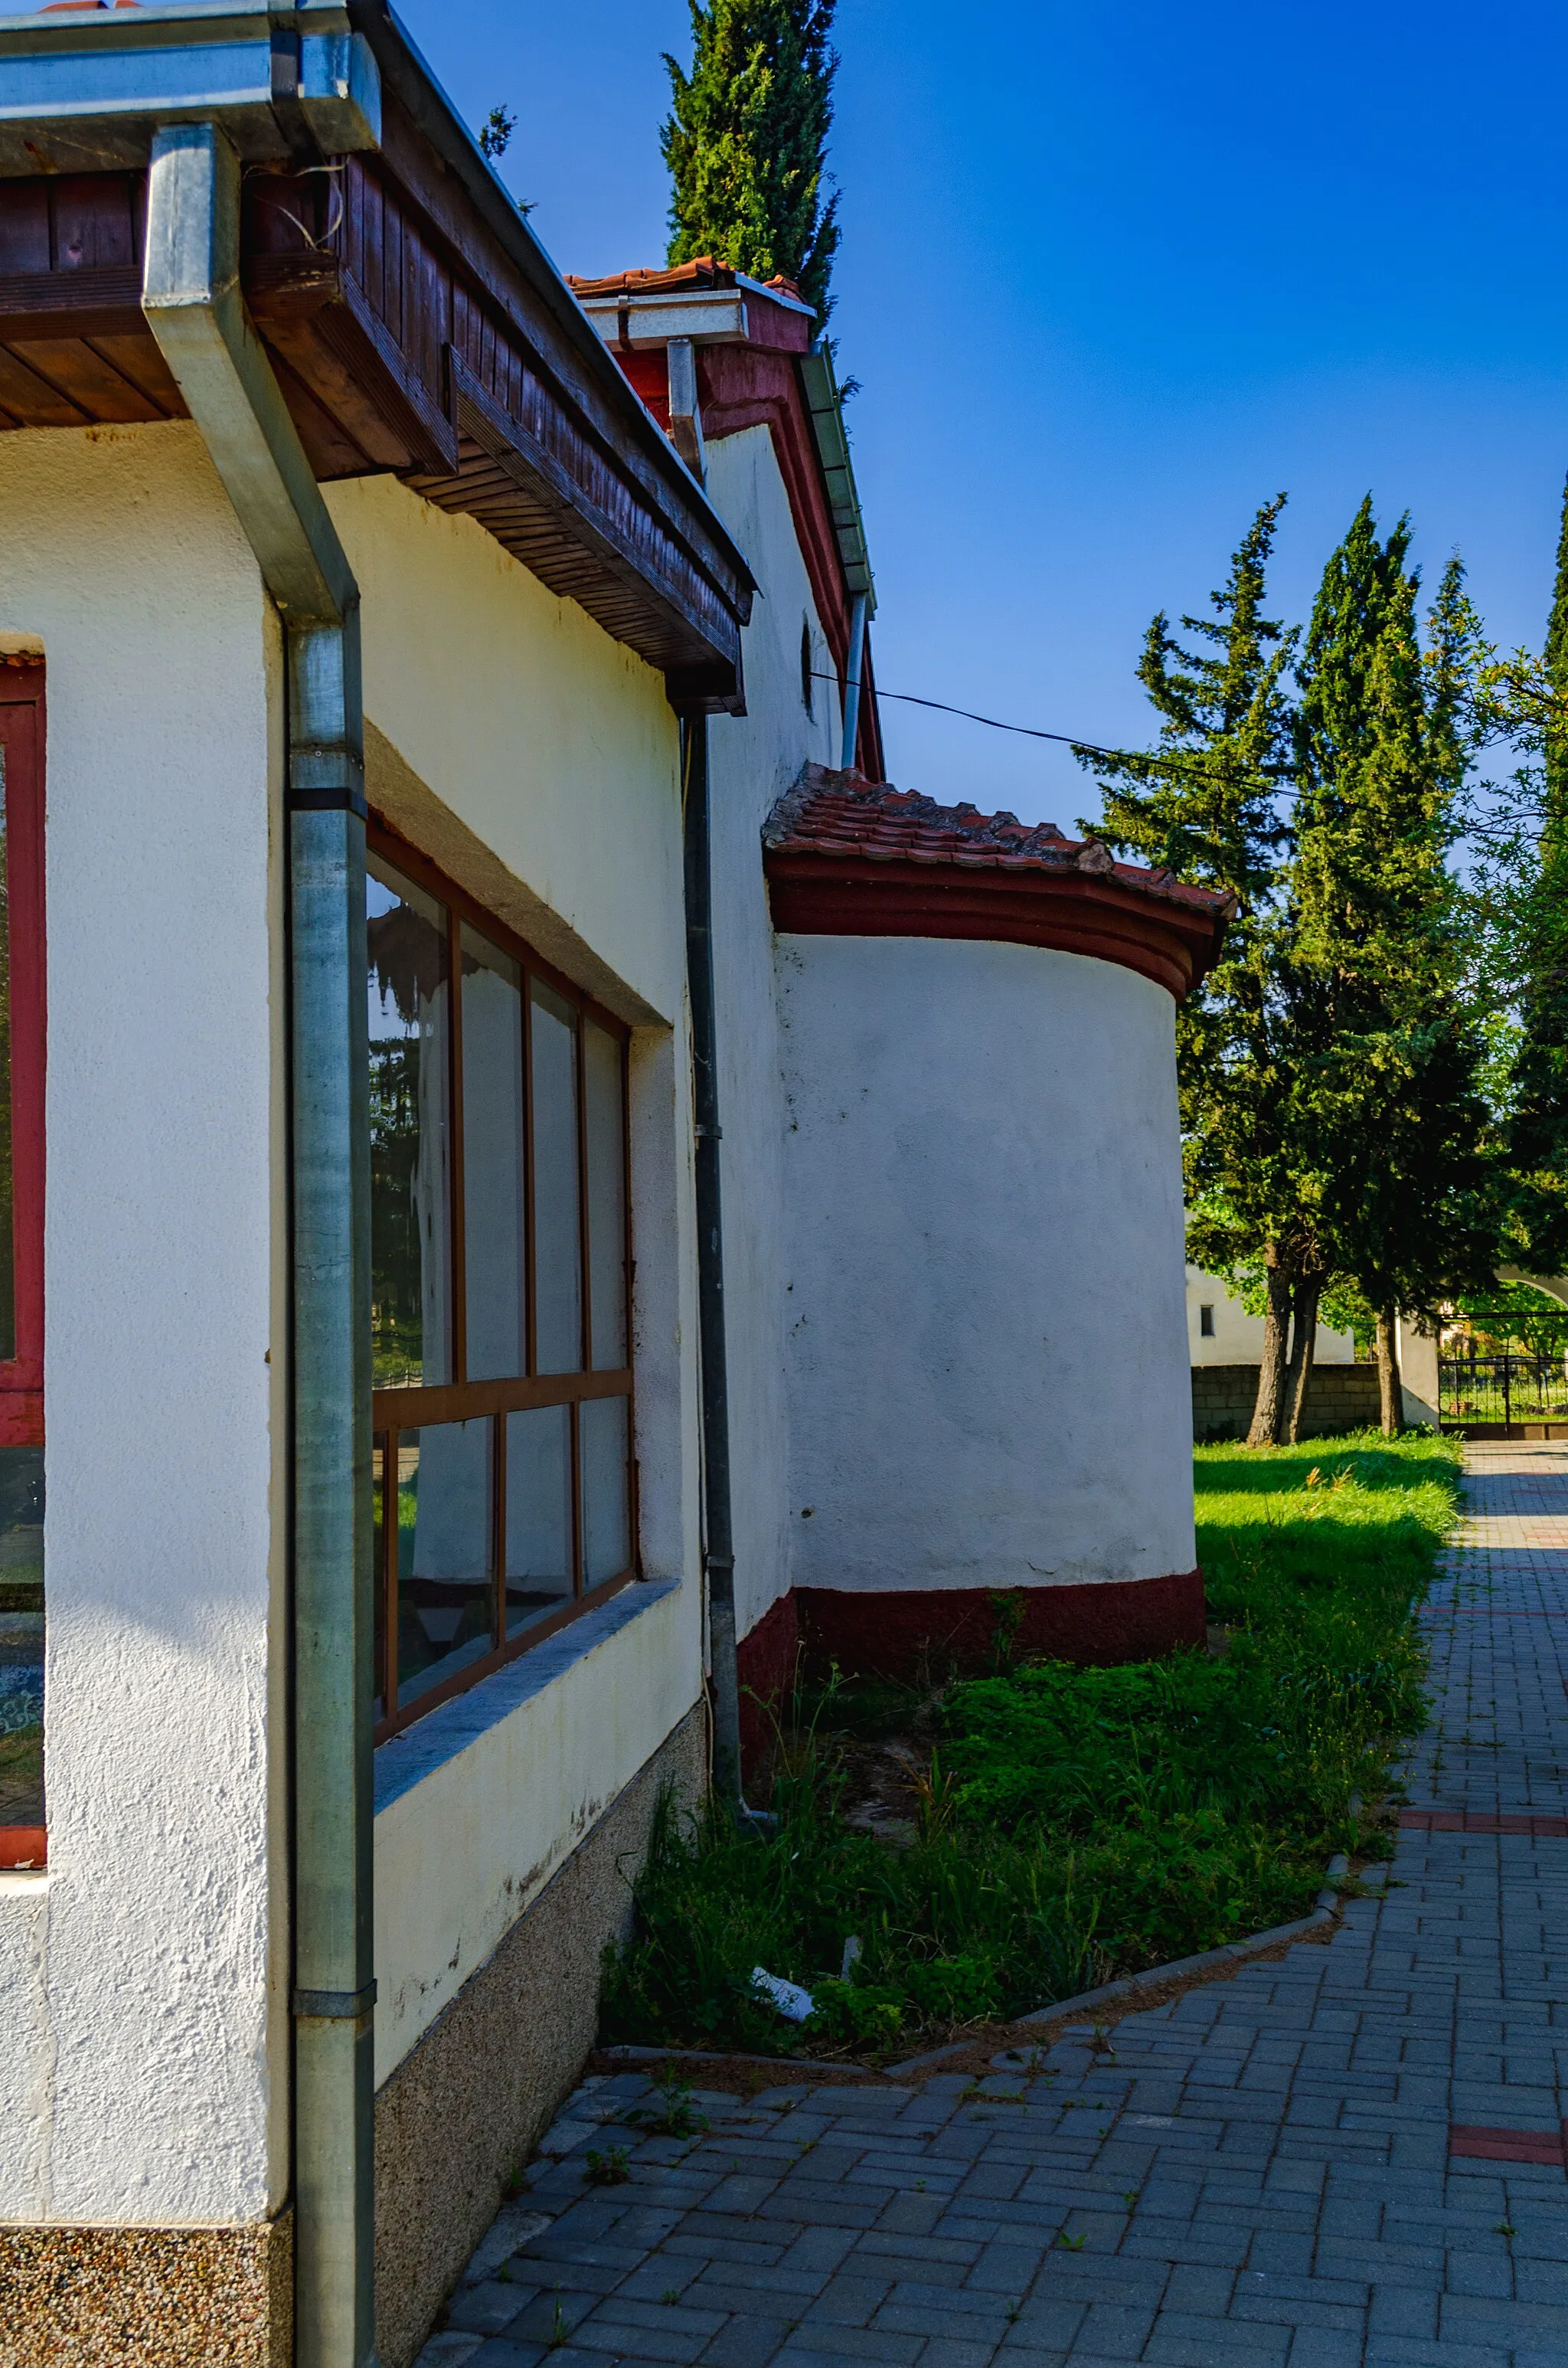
557	1298
444	1592
21	1636
604	1117
410	1185
607	1529
538	1515
377	1567
499	1268
492	1160
8	1225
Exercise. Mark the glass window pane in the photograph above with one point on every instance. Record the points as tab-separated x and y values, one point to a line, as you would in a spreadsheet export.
21	1637
410	1162
7	1225
558	1297
495	1282
604	1123
538	1515
607	1524
445	1600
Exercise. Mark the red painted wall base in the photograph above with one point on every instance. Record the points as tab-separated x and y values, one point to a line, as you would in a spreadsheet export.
767	1658
914	1631
902	1633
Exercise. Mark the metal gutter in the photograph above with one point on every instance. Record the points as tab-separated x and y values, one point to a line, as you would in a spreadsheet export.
826	408
719	1546
852	673
86	93
192	301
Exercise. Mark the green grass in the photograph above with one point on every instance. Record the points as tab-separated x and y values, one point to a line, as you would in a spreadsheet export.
1074	1824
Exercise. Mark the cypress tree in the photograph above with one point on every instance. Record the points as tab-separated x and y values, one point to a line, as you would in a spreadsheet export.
746	142
1391	1075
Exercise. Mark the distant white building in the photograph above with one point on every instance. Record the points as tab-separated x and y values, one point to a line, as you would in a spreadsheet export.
1221	1332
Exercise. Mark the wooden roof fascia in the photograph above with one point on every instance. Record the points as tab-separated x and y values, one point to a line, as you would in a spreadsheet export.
636	544
844	896
543	476
497	244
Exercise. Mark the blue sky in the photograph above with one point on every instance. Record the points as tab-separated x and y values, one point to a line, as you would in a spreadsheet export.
1111	275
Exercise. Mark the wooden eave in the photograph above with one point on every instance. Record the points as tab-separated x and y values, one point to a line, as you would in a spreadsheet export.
406	339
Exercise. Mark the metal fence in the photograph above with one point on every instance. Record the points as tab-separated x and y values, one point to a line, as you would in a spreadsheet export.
1504	1389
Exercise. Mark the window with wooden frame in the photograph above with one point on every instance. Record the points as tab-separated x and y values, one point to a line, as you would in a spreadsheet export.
500	1255
22	1841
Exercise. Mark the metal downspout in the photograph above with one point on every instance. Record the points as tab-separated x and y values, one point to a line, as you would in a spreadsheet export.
192	300
852	679
719	1553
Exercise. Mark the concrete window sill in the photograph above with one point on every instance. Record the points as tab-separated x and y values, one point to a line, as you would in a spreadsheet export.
405	1760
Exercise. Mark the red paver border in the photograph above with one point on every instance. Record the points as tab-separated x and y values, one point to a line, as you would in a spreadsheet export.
1478	1821
1482	2145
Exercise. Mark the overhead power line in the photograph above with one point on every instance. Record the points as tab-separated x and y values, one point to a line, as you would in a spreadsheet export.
1067	739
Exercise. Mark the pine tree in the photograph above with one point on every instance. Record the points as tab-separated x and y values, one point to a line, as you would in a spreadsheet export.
1207	807
1390	1078
746	142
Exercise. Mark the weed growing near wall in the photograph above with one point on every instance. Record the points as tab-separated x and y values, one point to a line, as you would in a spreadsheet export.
1071	1825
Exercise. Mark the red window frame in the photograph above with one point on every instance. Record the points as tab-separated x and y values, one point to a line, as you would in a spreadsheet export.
410	1407
22	738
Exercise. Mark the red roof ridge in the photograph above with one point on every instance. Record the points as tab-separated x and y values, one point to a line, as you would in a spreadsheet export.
840	813
652	279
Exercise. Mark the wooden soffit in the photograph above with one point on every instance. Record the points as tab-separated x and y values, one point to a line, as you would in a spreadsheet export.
405	339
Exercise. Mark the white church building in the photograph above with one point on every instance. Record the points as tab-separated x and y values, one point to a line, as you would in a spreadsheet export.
537	1184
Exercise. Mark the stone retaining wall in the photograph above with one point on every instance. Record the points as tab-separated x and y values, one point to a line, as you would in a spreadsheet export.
1339	1397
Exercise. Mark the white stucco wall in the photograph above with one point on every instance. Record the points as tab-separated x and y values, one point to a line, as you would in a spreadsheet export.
988	1381
1418	1353
545	743
538	760
461	1854
138	1977
753	760
1237	1337
144	1979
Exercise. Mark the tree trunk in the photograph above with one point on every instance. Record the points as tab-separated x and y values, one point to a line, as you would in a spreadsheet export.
1390	1392
1269	1413
1303	1342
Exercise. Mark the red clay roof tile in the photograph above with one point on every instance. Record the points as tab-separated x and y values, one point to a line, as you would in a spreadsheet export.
704	272
839	814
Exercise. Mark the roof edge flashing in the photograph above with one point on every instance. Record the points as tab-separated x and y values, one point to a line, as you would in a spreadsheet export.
824	408
87	93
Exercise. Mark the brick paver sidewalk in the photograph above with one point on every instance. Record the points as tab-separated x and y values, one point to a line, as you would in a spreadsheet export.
1352	2156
